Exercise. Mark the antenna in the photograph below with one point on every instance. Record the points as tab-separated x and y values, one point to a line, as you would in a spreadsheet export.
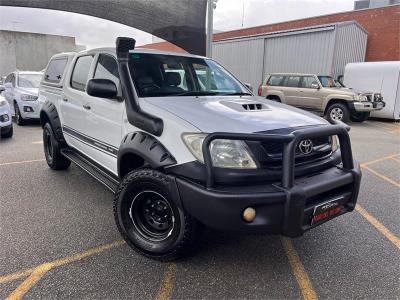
243	13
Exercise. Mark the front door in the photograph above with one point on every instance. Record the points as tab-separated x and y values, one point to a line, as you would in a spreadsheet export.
105	116
309	95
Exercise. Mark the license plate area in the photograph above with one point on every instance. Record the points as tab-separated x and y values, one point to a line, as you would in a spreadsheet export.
327	210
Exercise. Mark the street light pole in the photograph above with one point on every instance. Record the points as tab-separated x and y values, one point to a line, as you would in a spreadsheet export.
211	5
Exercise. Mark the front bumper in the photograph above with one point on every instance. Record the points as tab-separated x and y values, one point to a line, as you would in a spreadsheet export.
366	106
29	109
284	207
278	210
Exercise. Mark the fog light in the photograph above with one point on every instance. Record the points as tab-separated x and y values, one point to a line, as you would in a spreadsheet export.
28	109
249	214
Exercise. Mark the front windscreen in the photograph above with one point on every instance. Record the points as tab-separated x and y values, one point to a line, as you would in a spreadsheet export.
29	80
158	75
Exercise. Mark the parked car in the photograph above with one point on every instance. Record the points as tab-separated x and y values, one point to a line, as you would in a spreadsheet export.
321	94
2	88
6	126
21	92
380	77
181	156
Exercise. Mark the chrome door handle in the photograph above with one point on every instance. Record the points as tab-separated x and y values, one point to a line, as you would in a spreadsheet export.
86	107
65	99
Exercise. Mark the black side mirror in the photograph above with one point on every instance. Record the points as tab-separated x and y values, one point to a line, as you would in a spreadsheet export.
102	88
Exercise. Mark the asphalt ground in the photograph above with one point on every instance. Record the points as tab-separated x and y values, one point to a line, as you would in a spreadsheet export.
58	238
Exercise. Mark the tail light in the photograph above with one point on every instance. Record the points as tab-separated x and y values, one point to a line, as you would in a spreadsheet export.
260	90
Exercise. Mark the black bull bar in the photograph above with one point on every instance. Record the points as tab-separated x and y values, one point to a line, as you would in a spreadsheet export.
290	142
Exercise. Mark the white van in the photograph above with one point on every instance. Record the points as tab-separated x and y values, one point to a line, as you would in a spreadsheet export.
379	77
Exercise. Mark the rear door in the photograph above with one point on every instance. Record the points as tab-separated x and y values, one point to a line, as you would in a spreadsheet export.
74	107
290	89
105	116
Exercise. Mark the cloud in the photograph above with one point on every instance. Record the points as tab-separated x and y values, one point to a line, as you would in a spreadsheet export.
89	31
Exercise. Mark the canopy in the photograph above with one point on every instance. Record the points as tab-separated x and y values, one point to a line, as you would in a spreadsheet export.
181	22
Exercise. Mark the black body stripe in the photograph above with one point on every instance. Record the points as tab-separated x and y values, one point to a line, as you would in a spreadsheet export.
94	143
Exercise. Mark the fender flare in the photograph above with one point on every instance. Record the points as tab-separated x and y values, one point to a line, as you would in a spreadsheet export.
49	113
147	147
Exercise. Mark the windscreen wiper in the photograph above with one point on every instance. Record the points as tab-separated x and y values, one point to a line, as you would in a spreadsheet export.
236	94
197	93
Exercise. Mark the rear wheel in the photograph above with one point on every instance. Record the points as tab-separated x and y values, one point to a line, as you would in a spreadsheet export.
359	116
149	219
18	118
52	150
338	112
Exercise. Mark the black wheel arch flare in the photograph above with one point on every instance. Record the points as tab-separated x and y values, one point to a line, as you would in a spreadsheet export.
145	146
49	114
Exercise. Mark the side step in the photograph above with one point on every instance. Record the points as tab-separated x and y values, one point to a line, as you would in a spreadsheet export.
103	176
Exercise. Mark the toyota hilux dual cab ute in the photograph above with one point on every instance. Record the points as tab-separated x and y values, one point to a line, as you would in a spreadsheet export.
321	94
184	144
21	92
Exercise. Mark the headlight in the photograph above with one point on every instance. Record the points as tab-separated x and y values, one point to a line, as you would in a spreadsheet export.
25	97
363	98
224	153
335	143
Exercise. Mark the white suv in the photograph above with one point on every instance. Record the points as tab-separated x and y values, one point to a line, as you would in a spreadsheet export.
21	92
183	144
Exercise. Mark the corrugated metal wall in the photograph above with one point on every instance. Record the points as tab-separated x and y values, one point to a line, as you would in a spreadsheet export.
350	46
321	50
308	52
242	58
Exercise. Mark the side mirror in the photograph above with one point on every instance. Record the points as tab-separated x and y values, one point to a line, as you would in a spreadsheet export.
249	86
315	85
8	86
102	88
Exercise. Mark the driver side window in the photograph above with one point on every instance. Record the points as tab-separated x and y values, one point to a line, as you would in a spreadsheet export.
308	81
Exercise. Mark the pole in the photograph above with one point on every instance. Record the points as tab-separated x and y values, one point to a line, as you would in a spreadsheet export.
210	12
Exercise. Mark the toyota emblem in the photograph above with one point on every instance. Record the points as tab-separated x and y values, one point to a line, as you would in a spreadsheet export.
306	146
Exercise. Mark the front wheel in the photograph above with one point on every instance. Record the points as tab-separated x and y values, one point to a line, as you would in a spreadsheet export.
359	116
52	150
149	219
18	117
338	112
8	134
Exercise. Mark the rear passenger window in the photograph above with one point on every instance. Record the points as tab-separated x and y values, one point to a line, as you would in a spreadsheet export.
292	81
81	72
275	80
107	68
55	70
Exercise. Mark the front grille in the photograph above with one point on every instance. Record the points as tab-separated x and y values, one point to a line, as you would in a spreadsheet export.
377	97
270	154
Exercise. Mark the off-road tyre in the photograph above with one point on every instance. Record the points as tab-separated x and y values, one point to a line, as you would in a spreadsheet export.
52	150
9	134
359	117
18	118
339	110
139	188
